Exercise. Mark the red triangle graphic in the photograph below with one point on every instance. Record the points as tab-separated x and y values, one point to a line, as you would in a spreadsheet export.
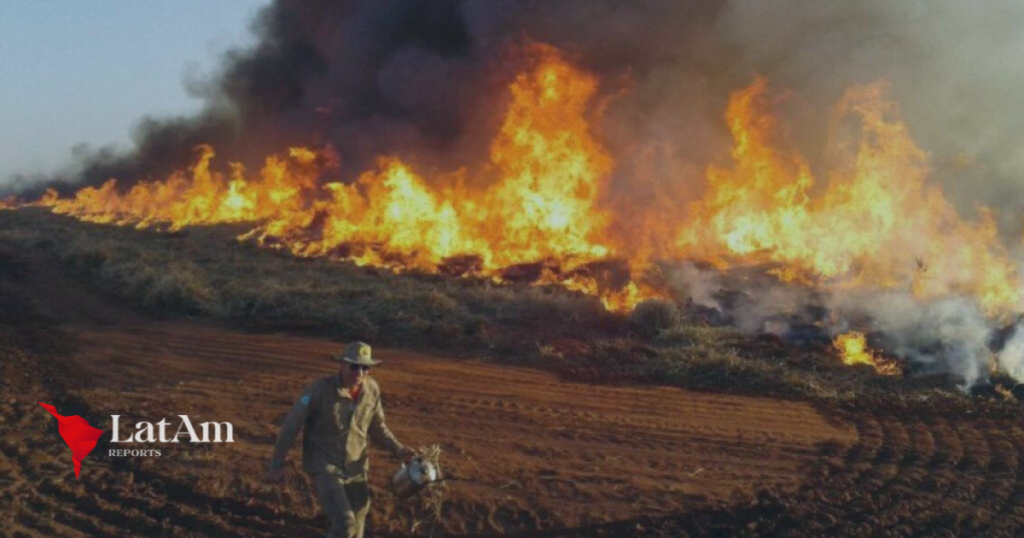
80	437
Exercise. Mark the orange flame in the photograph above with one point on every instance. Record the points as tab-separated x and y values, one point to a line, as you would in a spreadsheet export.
541	207
853	349
877	223
546	174
198	197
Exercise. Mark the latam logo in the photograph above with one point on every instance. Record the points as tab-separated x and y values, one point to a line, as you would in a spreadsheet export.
77	433
81	437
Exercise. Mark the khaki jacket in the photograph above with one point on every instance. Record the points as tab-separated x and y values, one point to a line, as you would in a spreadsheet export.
337	429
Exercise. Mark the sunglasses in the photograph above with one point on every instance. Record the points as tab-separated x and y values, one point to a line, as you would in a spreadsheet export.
357	367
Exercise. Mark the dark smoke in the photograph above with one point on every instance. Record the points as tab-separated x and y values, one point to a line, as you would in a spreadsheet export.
365	78
424	80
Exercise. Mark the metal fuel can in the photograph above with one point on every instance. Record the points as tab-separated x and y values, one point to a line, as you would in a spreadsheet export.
413	478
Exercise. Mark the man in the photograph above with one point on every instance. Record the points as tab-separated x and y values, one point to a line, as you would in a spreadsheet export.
339	412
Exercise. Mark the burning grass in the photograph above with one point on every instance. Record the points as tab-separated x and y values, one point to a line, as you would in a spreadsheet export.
546	172
865	244
204	272
538	206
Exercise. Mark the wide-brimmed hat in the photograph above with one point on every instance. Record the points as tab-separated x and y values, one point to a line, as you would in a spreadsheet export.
356	353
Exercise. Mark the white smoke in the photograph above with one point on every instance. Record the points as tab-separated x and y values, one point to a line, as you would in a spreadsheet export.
696	284
951	335
944	336
1011	358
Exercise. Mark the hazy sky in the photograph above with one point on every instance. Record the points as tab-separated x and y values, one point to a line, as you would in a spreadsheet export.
84	72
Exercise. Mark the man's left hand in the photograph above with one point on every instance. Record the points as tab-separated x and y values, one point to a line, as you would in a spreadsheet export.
406	454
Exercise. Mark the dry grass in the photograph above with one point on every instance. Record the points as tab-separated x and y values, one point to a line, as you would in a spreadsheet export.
427	507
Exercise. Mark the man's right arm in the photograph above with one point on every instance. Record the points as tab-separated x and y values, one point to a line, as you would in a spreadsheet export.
292	424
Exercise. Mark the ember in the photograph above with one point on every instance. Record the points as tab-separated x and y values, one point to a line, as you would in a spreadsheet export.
853	349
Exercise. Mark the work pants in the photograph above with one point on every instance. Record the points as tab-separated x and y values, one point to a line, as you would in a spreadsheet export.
346	505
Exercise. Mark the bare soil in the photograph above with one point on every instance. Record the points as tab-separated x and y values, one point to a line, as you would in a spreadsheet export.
528	453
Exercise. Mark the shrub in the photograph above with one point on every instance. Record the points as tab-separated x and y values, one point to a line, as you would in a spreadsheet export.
654	316
179	289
